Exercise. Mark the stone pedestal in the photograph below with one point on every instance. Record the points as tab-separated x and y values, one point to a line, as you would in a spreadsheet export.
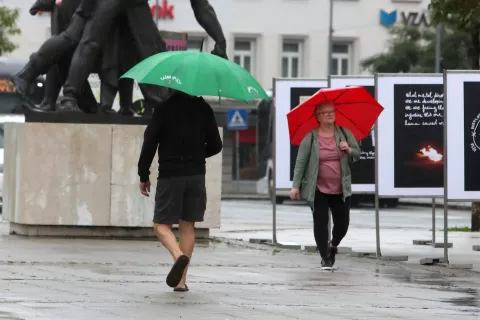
80	179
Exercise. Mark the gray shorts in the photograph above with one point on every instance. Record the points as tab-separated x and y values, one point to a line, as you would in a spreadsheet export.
180	198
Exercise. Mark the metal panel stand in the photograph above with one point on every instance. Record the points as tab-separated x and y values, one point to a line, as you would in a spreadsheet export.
431	241
436	260
274	242
330	225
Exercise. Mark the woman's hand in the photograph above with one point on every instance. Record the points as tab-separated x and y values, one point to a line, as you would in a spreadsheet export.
344	147
295	194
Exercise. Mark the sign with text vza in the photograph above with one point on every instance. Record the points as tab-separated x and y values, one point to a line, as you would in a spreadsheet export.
409	18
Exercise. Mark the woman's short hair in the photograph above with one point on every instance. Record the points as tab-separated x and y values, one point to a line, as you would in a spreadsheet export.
323	104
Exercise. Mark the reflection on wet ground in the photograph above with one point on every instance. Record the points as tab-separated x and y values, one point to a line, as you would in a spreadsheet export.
107	279
435	281
9	316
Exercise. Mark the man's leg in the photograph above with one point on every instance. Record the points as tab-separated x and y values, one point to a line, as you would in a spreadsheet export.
167	238
168	208
86	53
341	220
187	243
194	206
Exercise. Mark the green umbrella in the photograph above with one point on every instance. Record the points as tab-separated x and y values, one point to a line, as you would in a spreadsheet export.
199	74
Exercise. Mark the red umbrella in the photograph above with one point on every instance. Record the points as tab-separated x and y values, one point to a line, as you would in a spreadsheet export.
356	110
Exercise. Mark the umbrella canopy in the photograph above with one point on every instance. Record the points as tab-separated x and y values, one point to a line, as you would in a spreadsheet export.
199	74
355	109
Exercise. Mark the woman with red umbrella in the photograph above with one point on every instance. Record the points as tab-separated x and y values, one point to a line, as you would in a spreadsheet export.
322	177
327	127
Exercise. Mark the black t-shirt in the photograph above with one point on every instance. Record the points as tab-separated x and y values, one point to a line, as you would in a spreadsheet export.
184	130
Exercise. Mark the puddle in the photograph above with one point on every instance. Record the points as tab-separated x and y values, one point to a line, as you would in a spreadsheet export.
437	282
9	316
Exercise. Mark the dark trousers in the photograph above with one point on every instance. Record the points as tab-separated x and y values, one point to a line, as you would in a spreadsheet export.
341	219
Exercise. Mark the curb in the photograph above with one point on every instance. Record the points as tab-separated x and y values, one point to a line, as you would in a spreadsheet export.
256	197
438	205
347	251
244	197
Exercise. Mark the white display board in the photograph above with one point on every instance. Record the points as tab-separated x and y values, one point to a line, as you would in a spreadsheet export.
363	171
462	135
410	135
288	93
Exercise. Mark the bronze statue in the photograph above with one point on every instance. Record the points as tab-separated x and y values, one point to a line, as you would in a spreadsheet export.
56	74
89	31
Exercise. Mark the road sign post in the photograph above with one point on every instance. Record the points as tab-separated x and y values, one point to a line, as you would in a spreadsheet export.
237	119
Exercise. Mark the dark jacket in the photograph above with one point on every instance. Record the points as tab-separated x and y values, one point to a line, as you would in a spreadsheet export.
184	130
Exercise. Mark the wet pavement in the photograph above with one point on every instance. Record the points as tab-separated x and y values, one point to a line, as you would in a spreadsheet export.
243	219
112	279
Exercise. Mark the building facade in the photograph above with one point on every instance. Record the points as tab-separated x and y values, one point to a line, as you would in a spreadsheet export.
271	38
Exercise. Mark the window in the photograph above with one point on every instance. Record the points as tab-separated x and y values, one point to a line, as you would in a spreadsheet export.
341	59
291	59
244	52
195	44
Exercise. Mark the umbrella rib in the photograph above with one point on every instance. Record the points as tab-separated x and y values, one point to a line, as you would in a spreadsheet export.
339	95
357	102
298	126
218	84
238	81
353	123
324	95
196	74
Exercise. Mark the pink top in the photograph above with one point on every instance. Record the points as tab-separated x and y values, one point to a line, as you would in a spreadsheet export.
329	171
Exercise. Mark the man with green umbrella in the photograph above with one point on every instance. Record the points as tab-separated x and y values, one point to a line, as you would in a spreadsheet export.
184	131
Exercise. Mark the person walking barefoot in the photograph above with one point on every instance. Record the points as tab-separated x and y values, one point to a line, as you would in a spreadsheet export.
184	130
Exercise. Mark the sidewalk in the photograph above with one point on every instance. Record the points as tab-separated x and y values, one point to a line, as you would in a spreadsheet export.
398	229
59	279
404	201
439	202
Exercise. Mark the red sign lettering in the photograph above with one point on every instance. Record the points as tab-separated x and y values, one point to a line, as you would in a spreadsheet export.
59	3
164	11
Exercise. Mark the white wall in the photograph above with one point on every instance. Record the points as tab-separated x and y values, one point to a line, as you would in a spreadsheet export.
268	21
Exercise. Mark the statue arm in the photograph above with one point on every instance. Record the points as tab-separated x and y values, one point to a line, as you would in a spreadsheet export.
42	5
207	18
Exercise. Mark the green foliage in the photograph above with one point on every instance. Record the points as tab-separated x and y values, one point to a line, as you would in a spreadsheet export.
460	229
8	27
461	15
412	50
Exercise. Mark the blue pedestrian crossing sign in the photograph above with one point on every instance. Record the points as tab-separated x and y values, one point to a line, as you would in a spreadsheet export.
237	119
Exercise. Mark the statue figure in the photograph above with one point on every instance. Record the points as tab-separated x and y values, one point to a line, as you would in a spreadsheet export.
56	74
89	31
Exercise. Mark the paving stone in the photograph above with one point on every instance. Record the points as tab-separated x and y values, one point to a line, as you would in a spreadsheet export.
460	266
394	258
259	241
288	245
422	242
360	254
431	261
442	245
